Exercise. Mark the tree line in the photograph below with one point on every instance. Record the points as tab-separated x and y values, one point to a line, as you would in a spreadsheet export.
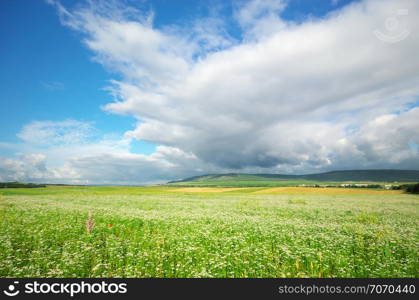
20	185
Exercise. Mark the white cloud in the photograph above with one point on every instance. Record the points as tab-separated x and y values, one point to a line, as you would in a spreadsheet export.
165	164
75	152
320	95
56	133
260	18
28	167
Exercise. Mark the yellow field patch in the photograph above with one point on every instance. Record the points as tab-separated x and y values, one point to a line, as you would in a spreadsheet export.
206	190
312	190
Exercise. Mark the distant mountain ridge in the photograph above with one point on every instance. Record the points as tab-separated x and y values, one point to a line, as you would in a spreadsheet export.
389	175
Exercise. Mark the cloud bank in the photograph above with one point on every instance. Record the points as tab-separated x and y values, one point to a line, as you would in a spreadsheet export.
339	92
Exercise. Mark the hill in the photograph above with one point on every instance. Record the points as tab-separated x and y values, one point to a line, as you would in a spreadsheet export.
234	179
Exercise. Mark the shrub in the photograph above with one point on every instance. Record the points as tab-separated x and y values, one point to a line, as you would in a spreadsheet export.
411	188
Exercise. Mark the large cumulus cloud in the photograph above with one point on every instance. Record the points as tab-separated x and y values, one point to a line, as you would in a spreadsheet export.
287	95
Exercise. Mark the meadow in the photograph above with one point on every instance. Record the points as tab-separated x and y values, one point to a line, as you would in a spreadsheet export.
170	231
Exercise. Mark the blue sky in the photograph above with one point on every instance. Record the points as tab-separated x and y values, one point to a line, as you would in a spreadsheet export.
64	69
48	74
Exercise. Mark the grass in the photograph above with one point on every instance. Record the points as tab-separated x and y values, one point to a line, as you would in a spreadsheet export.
169	232
236	183
244	183
323	191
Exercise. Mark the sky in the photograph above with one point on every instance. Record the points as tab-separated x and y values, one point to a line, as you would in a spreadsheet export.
140	92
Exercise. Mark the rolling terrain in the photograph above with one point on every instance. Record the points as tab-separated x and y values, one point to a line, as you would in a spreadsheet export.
333	178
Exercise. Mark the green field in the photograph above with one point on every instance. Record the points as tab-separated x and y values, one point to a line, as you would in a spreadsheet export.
167	231
258	183
375	177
